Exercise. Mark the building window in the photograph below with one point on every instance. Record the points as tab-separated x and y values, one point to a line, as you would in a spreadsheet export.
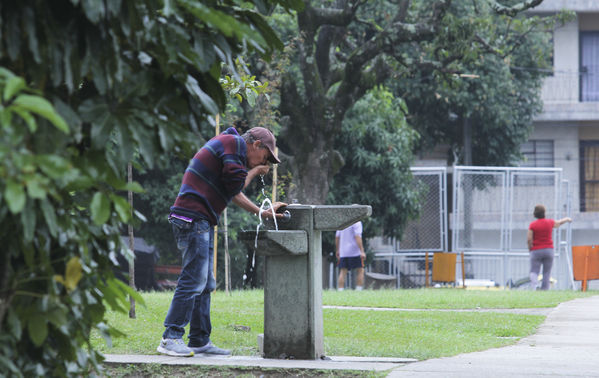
589	66
589	175
537	154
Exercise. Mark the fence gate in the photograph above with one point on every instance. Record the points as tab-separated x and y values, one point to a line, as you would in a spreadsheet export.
492	208
428	233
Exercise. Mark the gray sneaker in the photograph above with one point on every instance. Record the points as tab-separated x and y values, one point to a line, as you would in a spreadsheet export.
210	349
174	347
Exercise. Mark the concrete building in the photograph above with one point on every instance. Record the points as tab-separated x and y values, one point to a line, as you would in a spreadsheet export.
566	132
565	135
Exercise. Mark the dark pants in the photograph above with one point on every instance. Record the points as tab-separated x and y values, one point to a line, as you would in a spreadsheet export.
538	257
191	301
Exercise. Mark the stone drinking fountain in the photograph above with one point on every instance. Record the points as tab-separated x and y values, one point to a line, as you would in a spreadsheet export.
293	325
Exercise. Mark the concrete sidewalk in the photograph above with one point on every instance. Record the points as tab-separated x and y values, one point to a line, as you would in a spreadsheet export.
566	345
334	363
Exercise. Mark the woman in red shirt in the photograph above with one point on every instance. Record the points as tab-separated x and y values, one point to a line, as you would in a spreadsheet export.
540	245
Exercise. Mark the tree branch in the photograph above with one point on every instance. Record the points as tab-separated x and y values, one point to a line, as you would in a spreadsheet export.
317	17
386	41
402	11
515	9
327	36
377	74
289	96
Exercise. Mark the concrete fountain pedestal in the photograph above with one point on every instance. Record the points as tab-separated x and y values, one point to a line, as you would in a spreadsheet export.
293	326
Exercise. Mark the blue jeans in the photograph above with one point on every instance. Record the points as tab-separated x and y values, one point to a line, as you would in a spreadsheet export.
191	301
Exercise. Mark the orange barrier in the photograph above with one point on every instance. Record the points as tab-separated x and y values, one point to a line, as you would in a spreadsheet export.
585	263
443	268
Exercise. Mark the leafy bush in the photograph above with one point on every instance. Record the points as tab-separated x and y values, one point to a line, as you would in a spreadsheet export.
88	87
56	269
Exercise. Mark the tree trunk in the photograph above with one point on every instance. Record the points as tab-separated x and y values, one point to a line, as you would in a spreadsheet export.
5	293
311	178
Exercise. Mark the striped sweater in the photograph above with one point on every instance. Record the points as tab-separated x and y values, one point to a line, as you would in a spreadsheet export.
215	175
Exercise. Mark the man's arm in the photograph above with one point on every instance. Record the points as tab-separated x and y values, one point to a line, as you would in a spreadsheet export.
242	201
337	247
259	170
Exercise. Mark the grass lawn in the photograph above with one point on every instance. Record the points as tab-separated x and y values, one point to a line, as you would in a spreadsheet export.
451	298
417	334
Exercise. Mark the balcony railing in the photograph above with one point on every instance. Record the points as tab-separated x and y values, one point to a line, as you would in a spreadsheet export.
565	87
561	87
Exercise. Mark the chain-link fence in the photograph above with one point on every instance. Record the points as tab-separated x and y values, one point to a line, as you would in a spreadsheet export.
492	208
427	233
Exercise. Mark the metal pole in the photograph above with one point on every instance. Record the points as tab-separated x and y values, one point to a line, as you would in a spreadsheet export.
445	210
508	210
569	236
426	269
331	275
226	240
131	243
463	272
455	208
215	245
274	178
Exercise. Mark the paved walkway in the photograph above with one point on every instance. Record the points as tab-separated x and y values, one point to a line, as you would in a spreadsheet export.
566	345
522	311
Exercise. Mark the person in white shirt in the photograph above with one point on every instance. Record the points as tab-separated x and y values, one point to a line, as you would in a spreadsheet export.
350	254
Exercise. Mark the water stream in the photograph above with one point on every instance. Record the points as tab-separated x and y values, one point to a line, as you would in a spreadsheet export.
266	204
263	208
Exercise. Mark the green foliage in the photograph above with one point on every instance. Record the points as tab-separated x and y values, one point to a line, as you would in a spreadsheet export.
495	83
87	87
377	144
53	242
449	61
161	185
246	87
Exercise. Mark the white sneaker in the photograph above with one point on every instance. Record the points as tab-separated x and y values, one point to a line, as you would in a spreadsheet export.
174	347
210	349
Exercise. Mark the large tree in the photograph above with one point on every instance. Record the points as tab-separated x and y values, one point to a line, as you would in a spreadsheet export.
481	106
377	144
124	79
344	48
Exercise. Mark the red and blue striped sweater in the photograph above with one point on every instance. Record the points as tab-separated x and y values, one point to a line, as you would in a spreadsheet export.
215	175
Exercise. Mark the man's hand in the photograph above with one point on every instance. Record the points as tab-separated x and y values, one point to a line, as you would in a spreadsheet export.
259	170
275	207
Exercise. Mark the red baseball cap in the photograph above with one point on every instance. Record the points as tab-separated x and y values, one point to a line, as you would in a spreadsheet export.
267	139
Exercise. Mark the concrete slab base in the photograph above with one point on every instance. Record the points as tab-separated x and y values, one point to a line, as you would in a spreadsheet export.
335	362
